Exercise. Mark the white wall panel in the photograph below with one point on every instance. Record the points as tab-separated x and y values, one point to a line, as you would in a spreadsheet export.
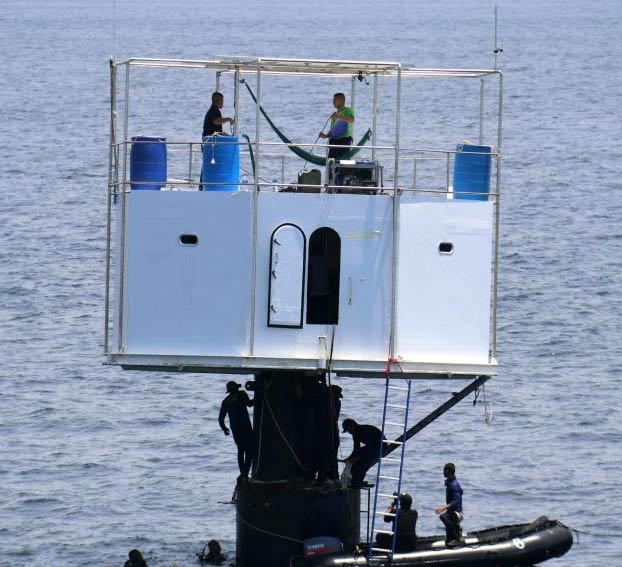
363	224
187	299
443	300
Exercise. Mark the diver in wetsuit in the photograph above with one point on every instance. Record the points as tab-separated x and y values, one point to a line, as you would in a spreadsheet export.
234	405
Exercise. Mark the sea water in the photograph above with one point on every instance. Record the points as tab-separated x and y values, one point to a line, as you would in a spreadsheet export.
95	461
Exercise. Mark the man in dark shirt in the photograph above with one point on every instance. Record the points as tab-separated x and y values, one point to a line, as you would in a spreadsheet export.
451	513
214	119
235	405
406	538
366	456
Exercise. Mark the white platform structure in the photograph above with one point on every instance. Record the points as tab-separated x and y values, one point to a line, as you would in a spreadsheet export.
222	281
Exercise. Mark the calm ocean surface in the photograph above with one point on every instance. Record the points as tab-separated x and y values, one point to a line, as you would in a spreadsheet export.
95	461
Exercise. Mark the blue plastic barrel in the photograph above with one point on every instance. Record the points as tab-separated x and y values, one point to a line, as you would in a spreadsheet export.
472	172
221	163
148	163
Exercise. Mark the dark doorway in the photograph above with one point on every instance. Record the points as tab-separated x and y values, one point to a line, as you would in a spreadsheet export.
323	278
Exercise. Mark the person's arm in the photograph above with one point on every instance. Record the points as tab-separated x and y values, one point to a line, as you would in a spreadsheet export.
247	401
221	418
356	446
344	114
390	510
223	120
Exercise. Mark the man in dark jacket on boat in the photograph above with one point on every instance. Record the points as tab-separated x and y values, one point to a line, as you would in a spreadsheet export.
363	457
235	405
451	512
406	538
212	124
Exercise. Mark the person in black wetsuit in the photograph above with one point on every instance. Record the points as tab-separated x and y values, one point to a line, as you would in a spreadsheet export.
406	539
366	456
451	513
234	405
214	119
135	559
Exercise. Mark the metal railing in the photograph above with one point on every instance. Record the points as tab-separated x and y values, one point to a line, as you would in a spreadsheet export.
431	170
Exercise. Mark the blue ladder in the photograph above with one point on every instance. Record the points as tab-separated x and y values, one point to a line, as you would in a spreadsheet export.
396	401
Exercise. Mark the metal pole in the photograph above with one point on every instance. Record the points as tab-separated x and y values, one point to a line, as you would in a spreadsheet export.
495	281
251	342
414	173
111	183
353	93
190	164
481	111
218	76
236	100
121	243
396	211
374	120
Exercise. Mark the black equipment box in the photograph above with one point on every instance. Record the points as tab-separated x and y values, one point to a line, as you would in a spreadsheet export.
365	177
312	178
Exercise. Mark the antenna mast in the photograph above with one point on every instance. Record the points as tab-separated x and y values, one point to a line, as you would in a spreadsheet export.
497	49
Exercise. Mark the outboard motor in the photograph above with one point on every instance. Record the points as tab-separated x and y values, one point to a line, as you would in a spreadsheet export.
315	546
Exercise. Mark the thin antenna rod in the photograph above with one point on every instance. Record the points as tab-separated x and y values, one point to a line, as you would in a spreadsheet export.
114	30
497	49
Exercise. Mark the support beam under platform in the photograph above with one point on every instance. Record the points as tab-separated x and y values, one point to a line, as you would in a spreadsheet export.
456	398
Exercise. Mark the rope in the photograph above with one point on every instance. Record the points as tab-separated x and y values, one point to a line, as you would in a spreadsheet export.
316	160
250	150
273	534
283	435
488	410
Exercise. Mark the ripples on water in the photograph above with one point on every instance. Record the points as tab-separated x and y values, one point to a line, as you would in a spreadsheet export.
95	461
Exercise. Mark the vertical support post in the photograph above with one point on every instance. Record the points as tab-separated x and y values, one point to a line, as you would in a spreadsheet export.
121	243
112	183
414	173
236	101
495	281
481	111
374	118
447	172
218	77
251	334
353	93
396	213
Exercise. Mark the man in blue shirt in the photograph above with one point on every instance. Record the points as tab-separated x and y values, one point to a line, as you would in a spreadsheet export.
451	513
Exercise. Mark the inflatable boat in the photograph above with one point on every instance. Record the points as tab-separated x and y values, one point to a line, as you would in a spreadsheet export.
514	545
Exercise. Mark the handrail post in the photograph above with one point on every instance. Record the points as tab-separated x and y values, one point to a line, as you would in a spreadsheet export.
190	164
374	118
236	100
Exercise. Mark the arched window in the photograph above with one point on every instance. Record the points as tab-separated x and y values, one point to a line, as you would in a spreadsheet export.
323	277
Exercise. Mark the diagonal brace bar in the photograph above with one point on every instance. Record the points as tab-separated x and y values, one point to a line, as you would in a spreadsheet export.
440	410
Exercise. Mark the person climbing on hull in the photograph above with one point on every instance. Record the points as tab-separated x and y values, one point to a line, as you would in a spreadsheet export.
367	440
235	406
